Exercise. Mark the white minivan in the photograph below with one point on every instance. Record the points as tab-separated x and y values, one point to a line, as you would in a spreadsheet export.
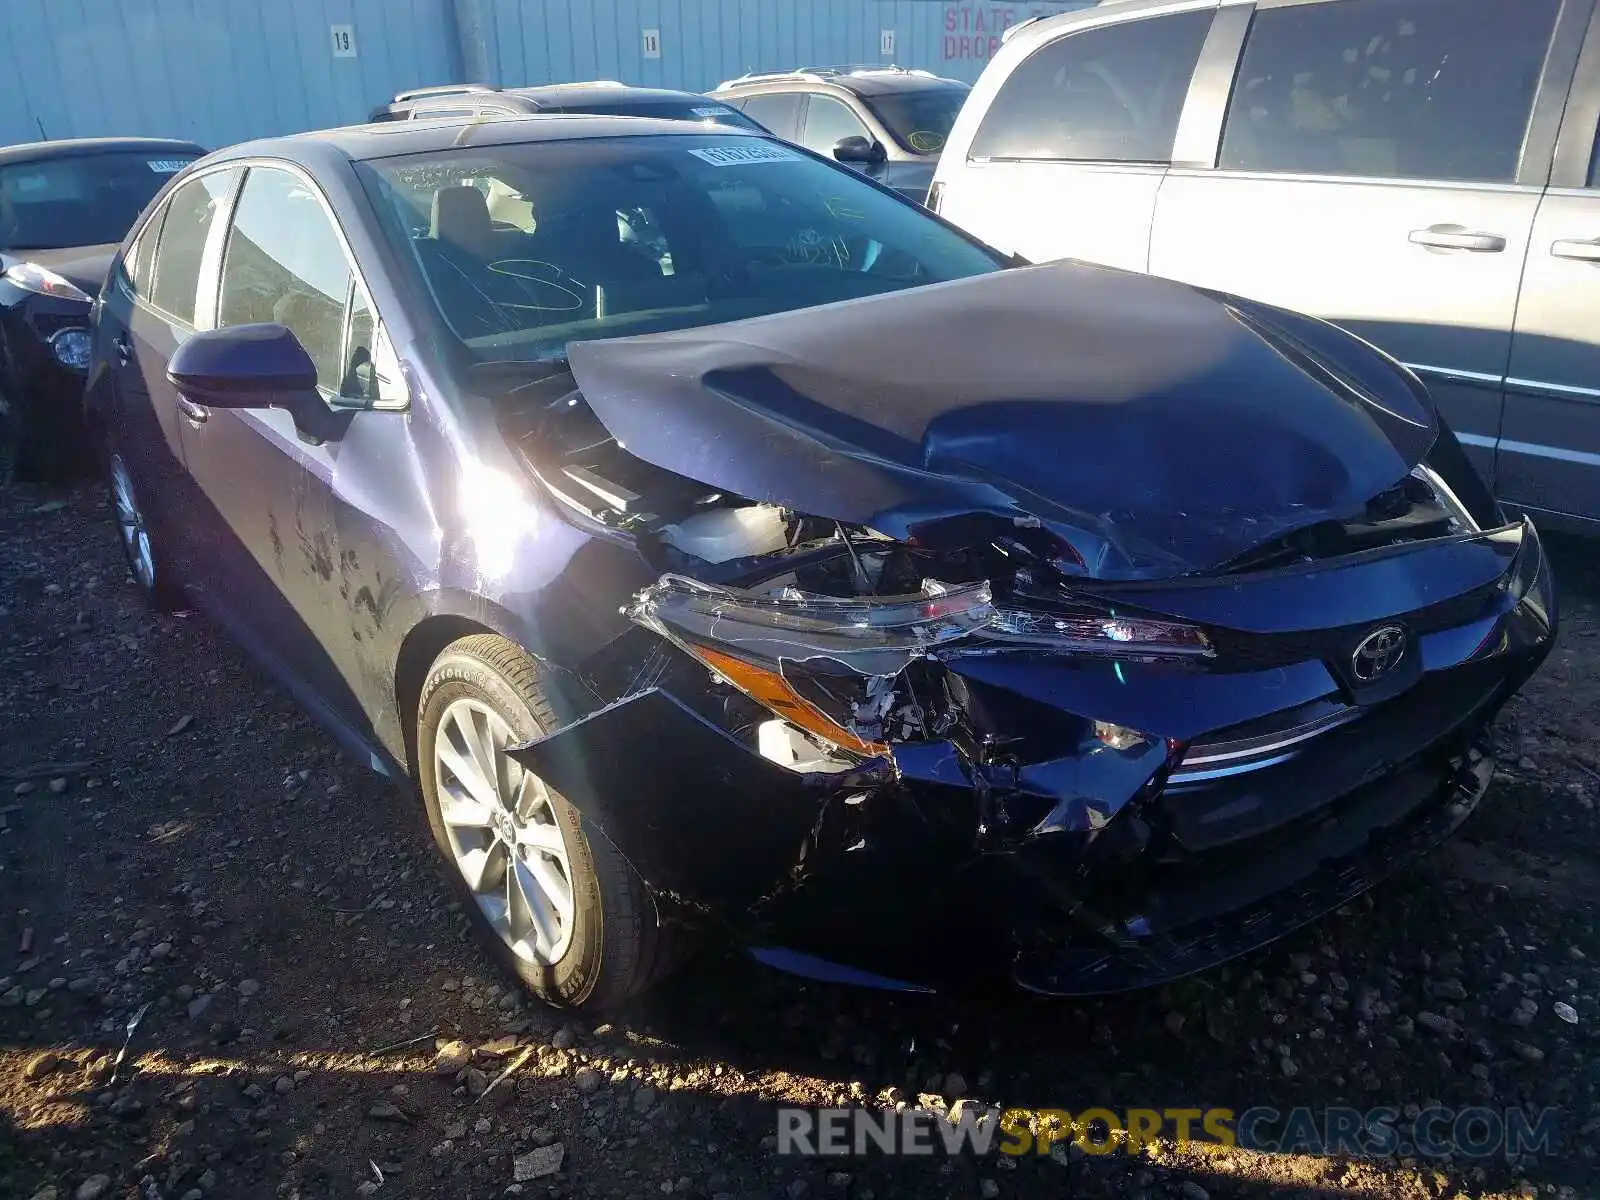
1422	172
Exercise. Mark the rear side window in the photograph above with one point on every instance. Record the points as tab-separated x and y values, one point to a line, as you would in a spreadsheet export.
779	112
285	263
136	262
191	213
1109	94
1387	89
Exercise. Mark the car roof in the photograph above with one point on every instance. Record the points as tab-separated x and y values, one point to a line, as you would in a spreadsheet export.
79	147
862	80
388	139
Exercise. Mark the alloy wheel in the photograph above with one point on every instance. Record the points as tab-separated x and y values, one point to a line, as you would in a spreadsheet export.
503	834
130	521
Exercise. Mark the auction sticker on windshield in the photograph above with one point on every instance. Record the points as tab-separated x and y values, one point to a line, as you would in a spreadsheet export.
167	166
738	156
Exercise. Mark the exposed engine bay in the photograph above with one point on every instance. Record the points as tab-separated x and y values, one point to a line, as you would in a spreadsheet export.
839	630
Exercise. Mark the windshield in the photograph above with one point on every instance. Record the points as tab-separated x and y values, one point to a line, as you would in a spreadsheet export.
919	120
523	248
88	200
706	112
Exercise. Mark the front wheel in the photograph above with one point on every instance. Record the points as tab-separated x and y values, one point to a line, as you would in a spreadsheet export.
562	910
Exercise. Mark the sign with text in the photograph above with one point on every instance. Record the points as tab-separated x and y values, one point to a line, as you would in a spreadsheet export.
973	30
344	40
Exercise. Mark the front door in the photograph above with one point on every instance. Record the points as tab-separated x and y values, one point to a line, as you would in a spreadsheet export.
1373	171
269	548
827	122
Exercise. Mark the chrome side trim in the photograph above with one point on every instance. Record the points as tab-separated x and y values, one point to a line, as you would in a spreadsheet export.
1537	451
1457	376
1563	391
1477	439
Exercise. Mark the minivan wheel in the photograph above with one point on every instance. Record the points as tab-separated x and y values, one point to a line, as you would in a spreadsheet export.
561	909
146	564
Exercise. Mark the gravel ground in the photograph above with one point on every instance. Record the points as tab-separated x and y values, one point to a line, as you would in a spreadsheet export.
176	835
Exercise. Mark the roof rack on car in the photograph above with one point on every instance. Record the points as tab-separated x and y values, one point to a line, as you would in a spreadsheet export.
873	69
764	76
823	74
442	89
582	83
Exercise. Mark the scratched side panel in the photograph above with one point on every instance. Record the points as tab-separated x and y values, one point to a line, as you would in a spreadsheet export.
430	517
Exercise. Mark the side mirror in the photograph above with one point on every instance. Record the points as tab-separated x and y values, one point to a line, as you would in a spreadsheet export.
858	149
243	366
255	366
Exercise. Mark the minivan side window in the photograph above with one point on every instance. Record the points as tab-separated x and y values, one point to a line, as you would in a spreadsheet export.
184	230
284	262
1108	94
1389	89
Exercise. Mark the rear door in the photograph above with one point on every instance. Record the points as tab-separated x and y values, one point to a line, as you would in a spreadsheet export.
151	311
1071	151
1380	165
1548	457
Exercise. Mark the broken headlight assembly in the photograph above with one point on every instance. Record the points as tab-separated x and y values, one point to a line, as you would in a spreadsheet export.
840	668
823	663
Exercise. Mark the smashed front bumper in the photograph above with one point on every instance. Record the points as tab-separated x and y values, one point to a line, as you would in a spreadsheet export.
1275	788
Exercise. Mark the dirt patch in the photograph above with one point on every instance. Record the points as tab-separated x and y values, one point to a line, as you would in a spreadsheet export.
176	835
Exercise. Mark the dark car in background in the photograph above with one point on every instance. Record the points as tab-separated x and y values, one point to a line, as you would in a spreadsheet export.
64	206
603	97
736	546
888	122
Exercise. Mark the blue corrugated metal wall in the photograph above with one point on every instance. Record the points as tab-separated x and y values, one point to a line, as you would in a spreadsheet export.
215	71
705	41
221	71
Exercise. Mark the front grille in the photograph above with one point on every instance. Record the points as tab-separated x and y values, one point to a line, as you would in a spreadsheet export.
1256	745
1205	816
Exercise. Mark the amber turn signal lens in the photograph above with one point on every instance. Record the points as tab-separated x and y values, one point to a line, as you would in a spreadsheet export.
774	691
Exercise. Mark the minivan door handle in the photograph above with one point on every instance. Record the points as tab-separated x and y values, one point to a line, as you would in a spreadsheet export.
1572	248
1456	237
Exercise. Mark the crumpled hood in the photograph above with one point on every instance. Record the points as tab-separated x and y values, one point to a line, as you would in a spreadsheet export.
1162	429
84	266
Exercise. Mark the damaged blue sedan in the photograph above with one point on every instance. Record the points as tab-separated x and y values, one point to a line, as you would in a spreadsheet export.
725	546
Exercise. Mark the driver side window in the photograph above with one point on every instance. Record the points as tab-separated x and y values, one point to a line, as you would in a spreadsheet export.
827	123
284	262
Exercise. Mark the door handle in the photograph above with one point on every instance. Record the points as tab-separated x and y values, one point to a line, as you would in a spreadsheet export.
195	414
1572	248
124	351
1457	237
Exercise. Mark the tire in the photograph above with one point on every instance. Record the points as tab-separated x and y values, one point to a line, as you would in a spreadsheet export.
609	944
148	566
13	435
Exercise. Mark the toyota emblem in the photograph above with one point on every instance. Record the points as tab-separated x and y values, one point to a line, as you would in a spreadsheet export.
1379	653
